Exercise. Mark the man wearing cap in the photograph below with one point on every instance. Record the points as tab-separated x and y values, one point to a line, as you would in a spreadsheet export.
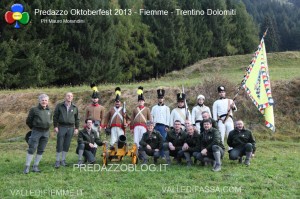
150	144
206	116
210	146
243	143
161	116
191	144
174	142
87	138
39	120
179	113
140	116
116	119
222	112
197	112
95	111
66	123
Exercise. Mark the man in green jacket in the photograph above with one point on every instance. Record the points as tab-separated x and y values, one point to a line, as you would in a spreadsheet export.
243	143
211	145
174	142
87	138
150	144
39	120
190	145
66	123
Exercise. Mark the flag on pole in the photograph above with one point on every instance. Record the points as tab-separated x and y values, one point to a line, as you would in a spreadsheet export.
257	85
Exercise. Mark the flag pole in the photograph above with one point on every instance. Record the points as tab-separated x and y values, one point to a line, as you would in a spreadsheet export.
243	81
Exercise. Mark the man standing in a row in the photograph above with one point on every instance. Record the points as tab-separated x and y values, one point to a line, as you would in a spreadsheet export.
161	116
222	112
66	123
116	119
180	113
39	120
197	112
140	116
95	111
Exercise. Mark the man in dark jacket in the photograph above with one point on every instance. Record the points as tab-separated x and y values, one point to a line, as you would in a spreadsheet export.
174	142
206	116
190	145
87	138
211	145
66	117
150	144
243	143
39	120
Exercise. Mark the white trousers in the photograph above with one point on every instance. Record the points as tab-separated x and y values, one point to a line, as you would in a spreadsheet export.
115	133
138	132
198	127
225	128
96	128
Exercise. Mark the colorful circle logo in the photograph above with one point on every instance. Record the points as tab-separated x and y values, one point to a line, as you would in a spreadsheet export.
17	15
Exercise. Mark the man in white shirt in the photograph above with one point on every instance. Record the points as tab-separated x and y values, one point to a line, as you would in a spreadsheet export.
223	112
160	114
180	112
197	112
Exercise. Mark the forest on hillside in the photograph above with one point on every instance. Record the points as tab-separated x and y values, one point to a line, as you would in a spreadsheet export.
125	48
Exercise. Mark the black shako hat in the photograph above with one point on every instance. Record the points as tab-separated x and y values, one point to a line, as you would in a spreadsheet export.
180	97
160	93
221	88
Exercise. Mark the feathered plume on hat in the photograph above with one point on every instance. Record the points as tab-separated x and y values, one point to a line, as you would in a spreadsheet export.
180	97
221	88
160	93
140	93
118	93
95	91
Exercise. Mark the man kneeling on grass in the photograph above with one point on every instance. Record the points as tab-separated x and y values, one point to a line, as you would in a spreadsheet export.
174	142
242	142
87	138
211	145
190	145
150	144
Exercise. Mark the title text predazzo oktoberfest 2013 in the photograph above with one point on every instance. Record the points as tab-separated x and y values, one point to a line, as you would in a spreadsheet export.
116	12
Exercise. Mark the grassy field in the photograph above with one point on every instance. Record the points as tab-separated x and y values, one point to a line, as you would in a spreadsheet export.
273	173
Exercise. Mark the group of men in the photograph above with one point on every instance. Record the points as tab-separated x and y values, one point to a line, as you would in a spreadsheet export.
158	132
